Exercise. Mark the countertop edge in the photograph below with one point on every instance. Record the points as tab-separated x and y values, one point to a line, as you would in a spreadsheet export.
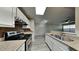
62	42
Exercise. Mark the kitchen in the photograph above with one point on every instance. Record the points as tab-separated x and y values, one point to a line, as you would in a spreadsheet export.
59	28
15	30
21	29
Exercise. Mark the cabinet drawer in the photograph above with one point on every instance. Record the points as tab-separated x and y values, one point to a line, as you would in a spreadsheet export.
60	48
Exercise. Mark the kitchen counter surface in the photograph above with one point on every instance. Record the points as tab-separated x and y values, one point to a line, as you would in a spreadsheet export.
11	45
27	32
1	39
73	44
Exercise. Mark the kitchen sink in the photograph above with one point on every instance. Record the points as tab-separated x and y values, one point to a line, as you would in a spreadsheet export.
63	38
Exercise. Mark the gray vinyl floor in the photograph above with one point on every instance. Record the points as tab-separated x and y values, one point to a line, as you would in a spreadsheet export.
39	44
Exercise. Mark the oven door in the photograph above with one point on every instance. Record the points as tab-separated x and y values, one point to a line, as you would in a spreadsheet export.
14	37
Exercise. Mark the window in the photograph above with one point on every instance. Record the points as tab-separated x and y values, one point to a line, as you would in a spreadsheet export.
69	28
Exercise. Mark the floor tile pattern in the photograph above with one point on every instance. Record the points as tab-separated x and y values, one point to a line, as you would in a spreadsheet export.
39	44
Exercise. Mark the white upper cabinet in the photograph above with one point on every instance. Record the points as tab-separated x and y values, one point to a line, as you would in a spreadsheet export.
8	14
6	17
22	16
14	13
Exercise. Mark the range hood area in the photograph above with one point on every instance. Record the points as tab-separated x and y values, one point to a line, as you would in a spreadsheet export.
20	21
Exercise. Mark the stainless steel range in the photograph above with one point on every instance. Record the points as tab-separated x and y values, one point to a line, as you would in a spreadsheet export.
13	35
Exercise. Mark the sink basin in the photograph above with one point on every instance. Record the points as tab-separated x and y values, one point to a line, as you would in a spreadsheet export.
63	38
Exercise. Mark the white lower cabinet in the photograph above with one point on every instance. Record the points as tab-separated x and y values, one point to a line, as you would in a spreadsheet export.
22	48
49	42
58	46
7	16
55	45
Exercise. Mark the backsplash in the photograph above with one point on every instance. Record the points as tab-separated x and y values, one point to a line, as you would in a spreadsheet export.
5	29
16	28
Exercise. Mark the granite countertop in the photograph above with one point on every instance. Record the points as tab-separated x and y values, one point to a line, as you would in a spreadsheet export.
2	39
27	32
11	45
73	44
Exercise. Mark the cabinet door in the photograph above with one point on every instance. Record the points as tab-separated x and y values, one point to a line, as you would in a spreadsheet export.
14	14
22	16
48	41
22	48
6	17
58	46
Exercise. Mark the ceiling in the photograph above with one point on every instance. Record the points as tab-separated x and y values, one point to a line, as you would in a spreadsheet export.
54	15
28	11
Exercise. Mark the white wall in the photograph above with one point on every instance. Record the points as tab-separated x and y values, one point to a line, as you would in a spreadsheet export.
53	27
77	20
40	27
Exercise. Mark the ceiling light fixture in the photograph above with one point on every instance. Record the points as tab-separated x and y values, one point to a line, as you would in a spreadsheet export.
40	10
